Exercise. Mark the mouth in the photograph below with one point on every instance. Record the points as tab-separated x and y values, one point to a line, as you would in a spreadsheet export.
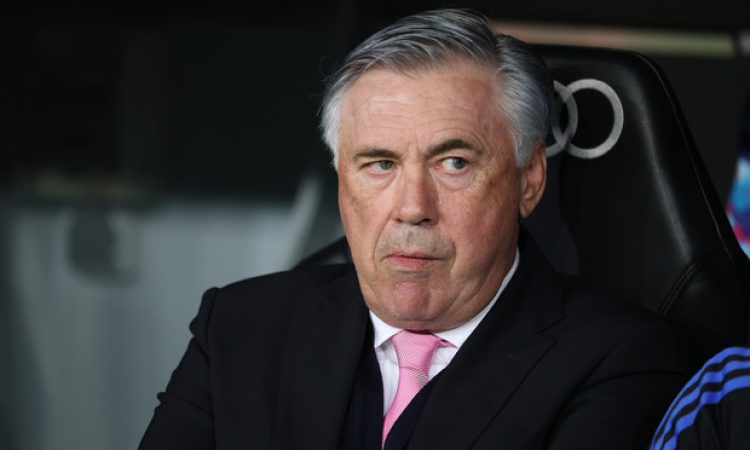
410	261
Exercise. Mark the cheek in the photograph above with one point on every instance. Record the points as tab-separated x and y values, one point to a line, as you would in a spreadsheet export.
350	208
485	212
361	213
503	192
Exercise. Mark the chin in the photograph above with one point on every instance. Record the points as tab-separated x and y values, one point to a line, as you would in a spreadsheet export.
416	314
413	323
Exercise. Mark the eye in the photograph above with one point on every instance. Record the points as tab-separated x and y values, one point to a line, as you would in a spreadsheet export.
383	165
454	164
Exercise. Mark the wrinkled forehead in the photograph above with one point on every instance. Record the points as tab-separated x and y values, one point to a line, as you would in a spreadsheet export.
456	66
452	96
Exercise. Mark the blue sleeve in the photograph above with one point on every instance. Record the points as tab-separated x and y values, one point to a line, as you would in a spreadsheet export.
713	409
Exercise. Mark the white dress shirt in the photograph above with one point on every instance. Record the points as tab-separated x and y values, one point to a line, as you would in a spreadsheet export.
386	354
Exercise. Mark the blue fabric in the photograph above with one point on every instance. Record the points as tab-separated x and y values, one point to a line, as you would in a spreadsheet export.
723	374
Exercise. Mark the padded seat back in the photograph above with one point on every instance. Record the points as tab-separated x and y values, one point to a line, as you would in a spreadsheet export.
630	206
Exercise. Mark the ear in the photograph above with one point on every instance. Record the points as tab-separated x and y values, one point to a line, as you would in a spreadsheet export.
533	179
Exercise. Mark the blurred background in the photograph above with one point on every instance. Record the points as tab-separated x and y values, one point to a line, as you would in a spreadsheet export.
151	152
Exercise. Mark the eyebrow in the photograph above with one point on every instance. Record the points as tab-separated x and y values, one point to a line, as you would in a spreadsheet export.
374	152
450	144
443	147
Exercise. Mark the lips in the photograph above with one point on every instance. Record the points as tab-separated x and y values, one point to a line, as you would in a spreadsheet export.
410	261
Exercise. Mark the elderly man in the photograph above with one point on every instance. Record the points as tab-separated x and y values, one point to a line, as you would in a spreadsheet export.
450	331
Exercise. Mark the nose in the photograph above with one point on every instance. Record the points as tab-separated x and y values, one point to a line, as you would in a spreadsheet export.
416	199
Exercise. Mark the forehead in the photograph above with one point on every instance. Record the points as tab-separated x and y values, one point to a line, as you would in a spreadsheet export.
461	98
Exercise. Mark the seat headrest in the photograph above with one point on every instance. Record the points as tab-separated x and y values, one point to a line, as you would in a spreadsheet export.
629	204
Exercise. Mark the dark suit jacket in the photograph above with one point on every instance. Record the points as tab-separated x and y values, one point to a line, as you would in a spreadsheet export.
553	365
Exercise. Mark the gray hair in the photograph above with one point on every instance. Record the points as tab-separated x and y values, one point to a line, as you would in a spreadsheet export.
435	39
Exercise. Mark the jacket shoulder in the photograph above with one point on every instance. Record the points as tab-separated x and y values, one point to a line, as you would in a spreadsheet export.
270	299
292	281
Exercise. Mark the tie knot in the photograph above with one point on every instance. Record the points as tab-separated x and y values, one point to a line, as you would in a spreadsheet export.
414	350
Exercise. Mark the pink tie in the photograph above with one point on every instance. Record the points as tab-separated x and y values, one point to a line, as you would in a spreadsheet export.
414	352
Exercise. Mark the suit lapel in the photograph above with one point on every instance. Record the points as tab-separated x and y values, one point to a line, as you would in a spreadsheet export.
495	360
323	347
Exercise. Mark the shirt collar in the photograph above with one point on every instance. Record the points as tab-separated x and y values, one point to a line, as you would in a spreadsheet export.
456	336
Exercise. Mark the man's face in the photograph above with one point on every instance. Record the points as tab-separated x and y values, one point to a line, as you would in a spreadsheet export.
430	194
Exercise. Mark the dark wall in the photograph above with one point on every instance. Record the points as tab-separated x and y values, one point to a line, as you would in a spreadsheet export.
207	103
